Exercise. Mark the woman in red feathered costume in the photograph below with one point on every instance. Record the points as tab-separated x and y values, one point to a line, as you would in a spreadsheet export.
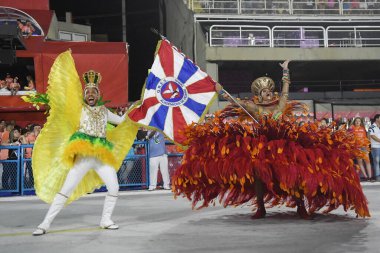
273	161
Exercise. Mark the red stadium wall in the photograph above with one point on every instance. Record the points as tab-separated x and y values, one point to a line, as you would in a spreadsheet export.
108	58
24	118
26	4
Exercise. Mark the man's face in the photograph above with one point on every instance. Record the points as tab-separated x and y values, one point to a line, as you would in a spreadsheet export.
37	128
91	96
267	95
16	134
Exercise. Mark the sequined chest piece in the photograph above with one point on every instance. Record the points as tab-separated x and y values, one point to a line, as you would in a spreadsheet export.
93	121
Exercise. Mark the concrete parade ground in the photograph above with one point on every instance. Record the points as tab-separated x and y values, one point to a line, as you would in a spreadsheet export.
156	222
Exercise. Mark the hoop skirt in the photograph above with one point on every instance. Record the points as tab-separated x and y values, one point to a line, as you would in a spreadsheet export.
226	156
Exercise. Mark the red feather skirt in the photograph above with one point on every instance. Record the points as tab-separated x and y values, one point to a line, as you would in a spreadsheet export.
226	156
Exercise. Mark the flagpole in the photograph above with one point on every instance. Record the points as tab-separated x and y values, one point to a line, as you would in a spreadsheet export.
155	31
233	99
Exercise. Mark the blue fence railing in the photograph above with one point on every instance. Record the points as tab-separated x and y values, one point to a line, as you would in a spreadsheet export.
26	173
10	176
17	175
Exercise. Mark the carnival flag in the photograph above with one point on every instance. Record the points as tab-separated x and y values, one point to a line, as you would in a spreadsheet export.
176	93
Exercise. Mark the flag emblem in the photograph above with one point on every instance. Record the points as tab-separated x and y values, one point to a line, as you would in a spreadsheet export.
171	92
176	93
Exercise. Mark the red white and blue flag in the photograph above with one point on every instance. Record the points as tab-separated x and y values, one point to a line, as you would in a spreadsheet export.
176	93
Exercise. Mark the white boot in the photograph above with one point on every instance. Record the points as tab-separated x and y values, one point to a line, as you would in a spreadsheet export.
57	205
109	205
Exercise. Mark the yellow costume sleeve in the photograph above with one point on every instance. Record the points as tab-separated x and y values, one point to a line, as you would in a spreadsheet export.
65	102
122	137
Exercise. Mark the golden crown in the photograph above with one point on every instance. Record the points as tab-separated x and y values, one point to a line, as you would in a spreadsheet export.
92	79
262	83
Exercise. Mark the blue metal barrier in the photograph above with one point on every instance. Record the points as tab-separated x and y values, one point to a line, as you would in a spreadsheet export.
17	174
174	158
27	180
10	170
133	170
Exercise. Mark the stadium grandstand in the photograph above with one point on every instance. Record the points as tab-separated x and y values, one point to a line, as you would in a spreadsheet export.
334	47
31	37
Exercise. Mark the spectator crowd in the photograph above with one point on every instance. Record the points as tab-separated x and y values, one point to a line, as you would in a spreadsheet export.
11	85
14	135
366	133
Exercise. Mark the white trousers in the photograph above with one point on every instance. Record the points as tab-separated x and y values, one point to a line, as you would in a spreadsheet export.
82	166
155	163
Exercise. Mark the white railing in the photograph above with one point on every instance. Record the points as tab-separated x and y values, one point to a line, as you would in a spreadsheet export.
287	7
305	7
298	36
353	36
216	6
240	36
361	7
265	7
293	36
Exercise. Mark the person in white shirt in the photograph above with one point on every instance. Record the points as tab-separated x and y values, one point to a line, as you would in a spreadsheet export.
158	159
374	133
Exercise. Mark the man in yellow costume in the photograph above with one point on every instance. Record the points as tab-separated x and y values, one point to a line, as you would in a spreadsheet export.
74	153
